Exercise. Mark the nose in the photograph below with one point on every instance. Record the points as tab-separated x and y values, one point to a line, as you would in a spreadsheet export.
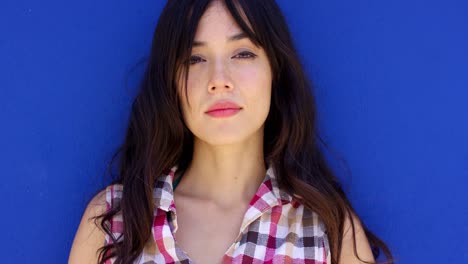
220	78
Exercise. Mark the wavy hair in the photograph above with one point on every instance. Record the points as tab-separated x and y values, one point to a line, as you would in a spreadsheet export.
157	137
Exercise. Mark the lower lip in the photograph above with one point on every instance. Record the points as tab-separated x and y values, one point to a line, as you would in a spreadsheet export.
224	112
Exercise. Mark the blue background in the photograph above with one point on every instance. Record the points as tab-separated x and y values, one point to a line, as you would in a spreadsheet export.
391	81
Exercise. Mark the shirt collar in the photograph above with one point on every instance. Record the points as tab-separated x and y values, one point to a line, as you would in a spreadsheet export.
267	196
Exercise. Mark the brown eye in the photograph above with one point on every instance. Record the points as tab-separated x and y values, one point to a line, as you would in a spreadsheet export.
245	55
194	60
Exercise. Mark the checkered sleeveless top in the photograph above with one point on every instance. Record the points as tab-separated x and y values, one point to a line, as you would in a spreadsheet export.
276	228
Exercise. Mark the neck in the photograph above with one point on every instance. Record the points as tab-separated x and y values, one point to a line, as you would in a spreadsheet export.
224	174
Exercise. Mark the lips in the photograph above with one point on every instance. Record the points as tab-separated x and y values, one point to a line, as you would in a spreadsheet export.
223	105
223	109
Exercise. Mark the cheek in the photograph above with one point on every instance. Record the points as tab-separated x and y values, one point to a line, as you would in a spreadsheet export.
194	78
256	90
188	93
192	100
256	81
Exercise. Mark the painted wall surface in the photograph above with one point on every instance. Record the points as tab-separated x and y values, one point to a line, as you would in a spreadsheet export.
391	79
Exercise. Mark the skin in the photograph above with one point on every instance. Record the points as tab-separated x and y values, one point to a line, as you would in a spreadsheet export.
227	166
228	152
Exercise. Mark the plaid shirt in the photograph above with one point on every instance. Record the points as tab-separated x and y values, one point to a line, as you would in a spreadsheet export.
275	229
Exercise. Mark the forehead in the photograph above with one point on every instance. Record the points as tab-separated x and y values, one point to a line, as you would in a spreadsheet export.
215	22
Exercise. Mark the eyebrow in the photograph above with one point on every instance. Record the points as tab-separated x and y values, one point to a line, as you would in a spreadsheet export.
239	36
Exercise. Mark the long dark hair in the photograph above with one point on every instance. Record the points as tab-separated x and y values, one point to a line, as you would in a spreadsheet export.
157	138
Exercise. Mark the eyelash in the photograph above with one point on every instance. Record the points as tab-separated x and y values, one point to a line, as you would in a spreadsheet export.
248	54
244	55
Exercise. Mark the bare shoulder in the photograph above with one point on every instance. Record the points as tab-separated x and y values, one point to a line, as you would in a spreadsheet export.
362	244
89	237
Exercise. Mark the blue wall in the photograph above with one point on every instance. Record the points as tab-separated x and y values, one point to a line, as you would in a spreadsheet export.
391	80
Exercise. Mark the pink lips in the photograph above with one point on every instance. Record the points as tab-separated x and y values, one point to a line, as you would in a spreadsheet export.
223	109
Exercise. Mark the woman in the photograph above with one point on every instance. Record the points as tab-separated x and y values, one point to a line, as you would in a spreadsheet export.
221	162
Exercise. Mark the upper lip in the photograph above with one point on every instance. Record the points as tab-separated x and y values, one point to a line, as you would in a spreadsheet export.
223	104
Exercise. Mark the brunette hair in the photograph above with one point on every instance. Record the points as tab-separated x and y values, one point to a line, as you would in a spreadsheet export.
157	137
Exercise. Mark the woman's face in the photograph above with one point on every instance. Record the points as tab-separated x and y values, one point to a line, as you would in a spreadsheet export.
225	69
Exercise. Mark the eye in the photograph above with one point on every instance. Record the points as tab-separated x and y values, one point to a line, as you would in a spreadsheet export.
194	60
245	55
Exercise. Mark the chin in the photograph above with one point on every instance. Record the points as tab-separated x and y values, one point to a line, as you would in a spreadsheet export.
224	138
